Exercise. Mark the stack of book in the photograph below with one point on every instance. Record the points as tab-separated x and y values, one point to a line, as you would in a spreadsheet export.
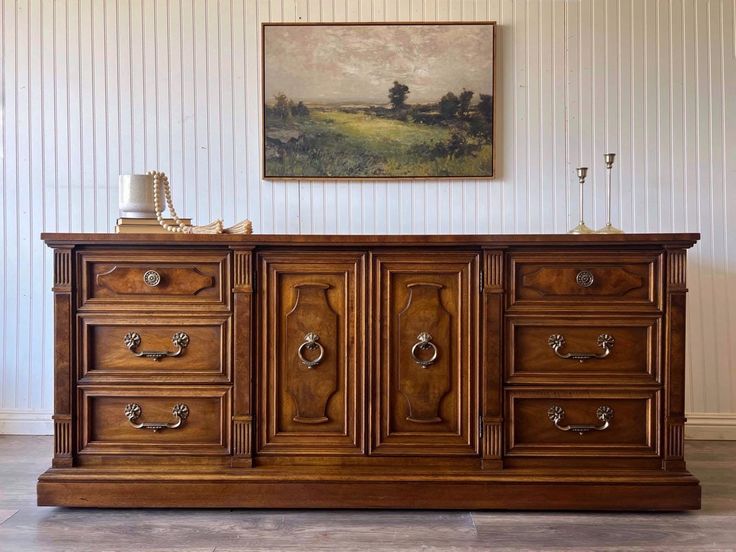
144	225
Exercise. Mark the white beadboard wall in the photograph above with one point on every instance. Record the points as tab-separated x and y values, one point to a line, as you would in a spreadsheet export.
95	88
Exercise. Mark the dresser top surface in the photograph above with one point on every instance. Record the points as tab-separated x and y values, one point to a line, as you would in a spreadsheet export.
478	240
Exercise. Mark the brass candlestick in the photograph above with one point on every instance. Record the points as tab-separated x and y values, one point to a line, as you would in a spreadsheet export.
581	228
609	228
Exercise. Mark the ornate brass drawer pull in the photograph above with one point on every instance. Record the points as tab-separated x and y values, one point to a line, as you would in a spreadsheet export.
605	342
604	414
132	341
311	341
133	411
151	278
585	278
425	342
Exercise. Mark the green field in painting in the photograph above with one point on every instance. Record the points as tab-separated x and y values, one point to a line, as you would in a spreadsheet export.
354	143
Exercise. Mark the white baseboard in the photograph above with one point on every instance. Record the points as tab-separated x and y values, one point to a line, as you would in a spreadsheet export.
26	422
702	426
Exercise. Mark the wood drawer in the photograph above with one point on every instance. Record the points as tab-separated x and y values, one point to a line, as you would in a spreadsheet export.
110	348
584	280
105	428
145	279
632	429
536	345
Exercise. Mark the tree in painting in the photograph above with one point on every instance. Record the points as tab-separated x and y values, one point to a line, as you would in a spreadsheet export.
397	95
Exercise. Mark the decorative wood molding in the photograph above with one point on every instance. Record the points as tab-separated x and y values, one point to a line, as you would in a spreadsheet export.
674	445
493	271
63	270
243	272
62	441
674	448
492	440
242	361
64	381
676	270
242	436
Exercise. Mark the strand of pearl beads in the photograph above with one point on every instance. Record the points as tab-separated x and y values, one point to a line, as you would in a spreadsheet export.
161	178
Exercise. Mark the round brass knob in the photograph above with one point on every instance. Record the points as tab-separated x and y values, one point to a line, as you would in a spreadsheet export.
151	278
585	278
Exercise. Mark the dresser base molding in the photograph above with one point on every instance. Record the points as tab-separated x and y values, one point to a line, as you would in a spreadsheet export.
602	491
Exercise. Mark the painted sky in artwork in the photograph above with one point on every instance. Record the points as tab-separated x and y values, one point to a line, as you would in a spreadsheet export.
358	64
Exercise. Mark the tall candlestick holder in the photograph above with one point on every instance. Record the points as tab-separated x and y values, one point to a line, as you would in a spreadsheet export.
609	228
581	228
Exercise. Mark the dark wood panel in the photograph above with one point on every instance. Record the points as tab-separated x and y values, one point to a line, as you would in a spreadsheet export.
106	429
632	342
311	404
176	279
584	280
631	431
425	408
106	356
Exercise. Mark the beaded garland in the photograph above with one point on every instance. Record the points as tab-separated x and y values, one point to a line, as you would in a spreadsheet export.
161	181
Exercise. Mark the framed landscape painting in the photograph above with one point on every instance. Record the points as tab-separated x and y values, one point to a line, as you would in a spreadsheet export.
378	100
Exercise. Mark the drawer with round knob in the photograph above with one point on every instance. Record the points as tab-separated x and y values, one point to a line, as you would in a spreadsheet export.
583	349
166	348
584	280
567	422
145	279
154	420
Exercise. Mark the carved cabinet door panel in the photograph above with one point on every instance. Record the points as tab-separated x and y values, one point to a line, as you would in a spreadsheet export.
425	361
311	353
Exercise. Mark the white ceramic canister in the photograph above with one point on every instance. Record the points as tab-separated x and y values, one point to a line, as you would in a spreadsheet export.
136	196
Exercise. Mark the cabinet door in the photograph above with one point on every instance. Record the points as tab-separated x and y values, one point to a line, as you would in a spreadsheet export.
311	353
425	359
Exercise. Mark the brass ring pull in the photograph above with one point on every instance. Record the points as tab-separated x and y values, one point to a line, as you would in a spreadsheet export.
133	411
151	278
311	341
425	342
604	341
604	414
180	340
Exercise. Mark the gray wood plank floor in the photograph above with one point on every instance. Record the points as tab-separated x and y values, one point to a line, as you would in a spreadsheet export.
25	527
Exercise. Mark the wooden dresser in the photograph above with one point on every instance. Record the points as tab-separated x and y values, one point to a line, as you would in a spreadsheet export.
524	372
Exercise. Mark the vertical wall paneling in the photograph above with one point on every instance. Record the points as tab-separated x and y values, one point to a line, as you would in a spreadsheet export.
93	89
